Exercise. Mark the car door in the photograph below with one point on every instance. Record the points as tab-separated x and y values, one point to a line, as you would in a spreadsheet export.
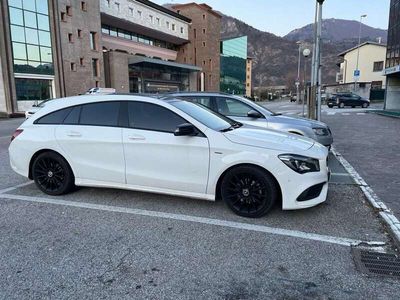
156	158
92	140
237	110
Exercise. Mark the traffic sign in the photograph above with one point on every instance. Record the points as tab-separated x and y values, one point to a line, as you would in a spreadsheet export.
356	73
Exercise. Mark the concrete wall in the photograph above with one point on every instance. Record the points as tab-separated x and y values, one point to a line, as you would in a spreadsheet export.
368	55
3	107
206	56
80	80
392	101
128	10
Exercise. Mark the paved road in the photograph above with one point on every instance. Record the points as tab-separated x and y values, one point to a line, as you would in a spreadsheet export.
103	243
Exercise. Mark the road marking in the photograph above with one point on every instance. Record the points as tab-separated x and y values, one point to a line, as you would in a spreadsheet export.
361	114
345	114
9	189
331	113
340	174
194	219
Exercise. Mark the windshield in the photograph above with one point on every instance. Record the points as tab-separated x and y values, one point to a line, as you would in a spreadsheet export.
204	115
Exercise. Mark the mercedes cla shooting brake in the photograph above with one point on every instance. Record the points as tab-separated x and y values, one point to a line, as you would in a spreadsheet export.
167	146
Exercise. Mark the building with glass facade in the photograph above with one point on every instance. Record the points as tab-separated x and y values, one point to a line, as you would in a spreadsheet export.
58	48
392	71
233	65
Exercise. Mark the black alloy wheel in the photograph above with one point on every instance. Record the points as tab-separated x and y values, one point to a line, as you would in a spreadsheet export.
249	191
52	174
341	105
364	105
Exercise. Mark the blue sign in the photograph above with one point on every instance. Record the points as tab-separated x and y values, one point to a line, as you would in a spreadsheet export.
356	73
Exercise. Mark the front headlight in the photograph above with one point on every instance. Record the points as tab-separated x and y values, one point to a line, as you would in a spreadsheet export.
300	164
320	131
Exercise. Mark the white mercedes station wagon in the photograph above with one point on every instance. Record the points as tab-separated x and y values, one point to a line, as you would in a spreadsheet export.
171	147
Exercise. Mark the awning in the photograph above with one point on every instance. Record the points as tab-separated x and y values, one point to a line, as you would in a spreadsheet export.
135	60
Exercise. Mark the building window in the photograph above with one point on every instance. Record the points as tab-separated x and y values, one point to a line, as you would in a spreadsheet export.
204	31
95	67
81	61
73	67
167	23
204	17
70	38
182	30
63	16
93	40
151	19
97	83
378	66
158	21
173	27
79	33
83	6
69	10
204	62
204	44
210	63
139	13
195	33
117	6
131	11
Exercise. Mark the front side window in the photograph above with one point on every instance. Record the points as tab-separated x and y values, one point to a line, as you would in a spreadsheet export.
232	107
148	116
100	114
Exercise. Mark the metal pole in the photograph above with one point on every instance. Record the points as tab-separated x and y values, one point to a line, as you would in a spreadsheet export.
298	75
311	96
305	85
358	50
319	33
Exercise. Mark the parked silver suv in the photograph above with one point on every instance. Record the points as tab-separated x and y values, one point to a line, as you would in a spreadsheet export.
249	112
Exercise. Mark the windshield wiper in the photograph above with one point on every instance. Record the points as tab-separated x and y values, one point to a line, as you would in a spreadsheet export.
276	114
232	127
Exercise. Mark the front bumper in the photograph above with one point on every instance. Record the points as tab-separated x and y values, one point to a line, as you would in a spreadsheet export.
297	184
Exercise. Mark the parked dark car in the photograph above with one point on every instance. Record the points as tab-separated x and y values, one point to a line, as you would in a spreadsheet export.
347	99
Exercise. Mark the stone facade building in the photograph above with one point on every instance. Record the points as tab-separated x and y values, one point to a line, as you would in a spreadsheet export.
204	47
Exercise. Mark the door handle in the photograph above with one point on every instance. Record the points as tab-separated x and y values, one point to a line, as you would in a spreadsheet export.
136	138
74	134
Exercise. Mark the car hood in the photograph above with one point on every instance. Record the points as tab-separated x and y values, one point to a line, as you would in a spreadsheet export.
298	121
269	139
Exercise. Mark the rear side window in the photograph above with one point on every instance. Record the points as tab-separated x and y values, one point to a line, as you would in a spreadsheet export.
232	107
73	116
56	117
206	101
100	114
153	117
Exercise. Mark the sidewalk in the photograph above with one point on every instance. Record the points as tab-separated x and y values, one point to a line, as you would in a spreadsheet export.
370	143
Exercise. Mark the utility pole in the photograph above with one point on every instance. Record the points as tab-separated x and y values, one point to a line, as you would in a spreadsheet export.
306	54
357	71
298	74
313	106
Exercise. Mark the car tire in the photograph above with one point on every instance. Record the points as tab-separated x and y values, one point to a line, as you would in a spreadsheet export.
353	106
249	191
364	105
52	174
330	106
341	105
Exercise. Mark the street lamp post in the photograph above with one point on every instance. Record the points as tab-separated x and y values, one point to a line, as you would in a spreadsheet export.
306	54
298	74
358	52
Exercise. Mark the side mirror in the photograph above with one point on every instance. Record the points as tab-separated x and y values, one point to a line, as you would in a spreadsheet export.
254	114
185	129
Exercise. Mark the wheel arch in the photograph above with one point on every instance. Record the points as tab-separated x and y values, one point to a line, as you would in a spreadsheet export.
37	153
221	177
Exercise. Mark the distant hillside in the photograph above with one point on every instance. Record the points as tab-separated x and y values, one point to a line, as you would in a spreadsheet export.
337	30
275	58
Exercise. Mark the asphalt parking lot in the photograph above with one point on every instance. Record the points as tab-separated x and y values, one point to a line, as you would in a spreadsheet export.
103	243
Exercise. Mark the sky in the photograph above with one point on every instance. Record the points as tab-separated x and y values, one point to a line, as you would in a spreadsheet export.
281	16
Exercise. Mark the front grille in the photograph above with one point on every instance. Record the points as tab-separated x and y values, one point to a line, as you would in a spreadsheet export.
375	263
311	193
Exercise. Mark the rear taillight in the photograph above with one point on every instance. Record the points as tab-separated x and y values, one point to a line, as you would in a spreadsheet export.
16	133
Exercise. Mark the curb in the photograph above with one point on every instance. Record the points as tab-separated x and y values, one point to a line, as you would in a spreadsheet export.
380	207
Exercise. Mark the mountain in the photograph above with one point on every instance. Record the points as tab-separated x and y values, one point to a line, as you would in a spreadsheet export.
275	58
337	30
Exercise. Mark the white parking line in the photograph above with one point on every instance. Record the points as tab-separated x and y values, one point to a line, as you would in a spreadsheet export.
200	220
361	114
345	114
9	189
330	113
